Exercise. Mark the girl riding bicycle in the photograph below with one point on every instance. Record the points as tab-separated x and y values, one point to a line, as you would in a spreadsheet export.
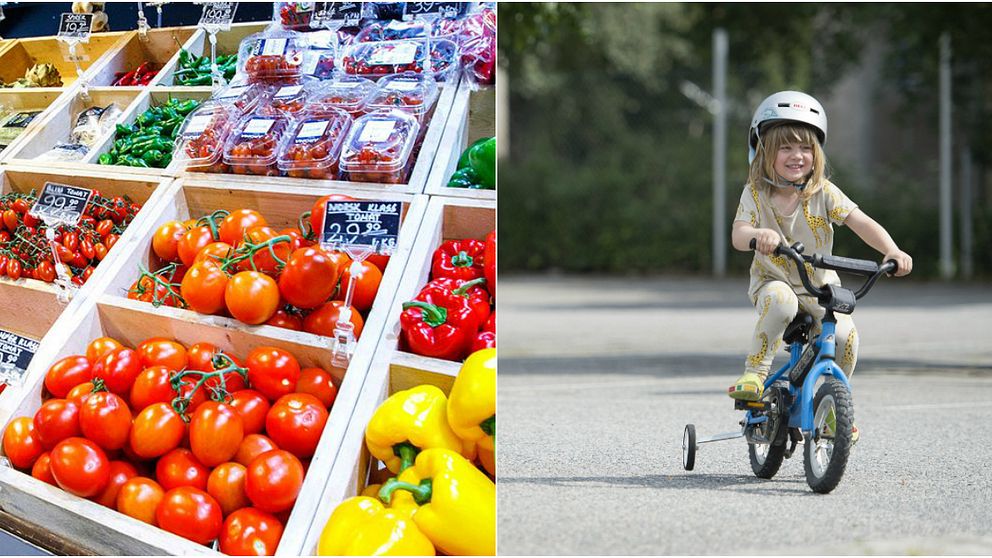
788	199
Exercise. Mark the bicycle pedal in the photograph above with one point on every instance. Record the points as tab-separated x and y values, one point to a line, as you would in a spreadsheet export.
750	405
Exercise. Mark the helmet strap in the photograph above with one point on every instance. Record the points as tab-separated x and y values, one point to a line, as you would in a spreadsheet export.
780	182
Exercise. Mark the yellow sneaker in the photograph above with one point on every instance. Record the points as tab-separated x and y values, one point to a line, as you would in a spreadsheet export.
855	435
747	388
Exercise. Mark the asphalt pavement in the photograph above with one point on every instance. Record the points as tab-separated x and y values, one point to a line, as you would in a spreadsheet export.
599	376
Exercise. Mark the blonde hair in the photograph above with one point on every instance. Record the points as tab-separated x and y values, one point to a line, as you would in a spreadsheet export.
763	165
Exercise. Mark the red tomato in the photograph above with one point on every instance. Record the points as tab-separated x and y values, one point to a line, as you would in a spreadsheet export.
139	497
46	271
153	385
165	243
14	269
203	288
80	393
157	430
192	242
227	485
319	383
252	446
56	420
252	297
323	320
215	432
80	467
379	260
42	469
297	241
201	356
252	407
272	372
10	220
250	532
118	369
274	481
106	420
263	260
191	513
120	473
180	467
309	277
159	351
285	320
234	226
319	211
66	374
21	444
295	423
214	252
367	280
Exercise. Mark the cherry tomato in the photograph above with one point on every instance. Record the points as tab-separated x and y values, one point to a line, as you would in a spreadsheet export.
106	420
192	242
120	473
285	320
323	320
233	227
86	249
367	278
111	240
159	351
309	278
252	297
10	220
46	271
100	347
203	288
66	374
250	532
252	407
215	432
319	383
273	372
100	249
214	252
180	467
165	243
274	480
118	369
157	430
227	485
80	393
21	444
80	467
139	497
252	446
56	420
152	386
14	269
104	227
295	423
42	469
191	513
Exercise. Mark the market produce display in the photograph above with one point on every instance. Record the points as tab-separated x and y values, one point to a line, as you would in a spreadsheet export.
195	70
142	75
149	142
39	75
90	125
476	166
379	147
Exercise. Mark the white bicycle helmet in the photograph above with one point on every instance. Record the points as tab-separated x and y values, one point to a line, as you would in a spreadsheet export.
792	106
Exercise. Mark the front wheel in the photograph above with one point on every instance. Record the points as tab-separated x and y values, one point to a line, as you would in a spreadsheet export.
827	452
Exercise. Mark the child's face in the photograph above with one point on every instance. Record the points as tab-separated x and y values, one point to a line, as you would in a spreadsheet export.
794	161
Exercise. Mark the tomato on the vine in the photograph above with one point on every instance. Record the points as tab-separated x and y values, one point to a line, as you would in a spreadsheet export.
80	467
165	243
309	278
285	320
274	481
191	513
192	242
203	288
324	320
252	297
233	227
263	259
319	210
272	371
215	432
214	252
367	278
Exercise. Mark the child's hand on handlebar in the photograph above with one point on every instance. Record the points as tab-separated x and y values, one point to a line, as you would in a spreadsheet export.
767	241
903	260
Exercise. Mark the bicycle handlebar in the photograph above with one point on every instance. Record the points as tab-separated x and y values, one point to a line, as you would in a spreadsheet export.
868	268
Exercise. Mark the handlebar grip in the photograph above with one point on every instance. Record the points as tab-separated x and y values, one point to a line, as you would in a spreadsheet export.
889	267
753	244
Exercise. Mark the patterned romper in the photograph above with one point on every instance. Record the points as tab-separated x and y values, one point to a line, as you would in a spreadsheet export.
776	290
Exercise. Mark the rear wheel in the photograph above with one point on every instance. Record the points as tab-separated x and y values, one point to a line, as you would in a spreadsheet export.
767	458
827	452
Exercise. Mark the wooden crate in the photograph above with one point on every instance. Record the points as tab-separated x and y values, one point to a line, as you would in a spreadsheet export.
392	369
24	53
159	46
199	44
44	99
473	116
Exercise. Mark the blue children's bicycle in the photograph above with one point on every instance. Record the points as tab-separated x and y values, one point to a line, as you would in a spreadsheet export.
788	413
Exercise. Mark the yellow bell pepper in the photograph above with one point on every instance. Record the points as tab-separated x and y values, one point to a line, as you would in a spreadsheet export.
488	460
411	421
457	502
372	491
362	526
472	402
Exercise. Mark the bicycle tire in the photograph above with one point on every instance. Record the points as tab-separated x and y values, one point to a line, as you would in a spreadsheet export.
824	478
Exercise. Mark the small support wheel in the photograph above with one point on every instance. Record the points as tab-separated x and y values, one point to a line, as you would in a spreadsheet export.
689	447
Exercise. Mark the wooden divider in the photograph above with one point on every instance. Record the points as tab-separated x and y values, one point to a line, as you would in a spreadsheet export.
158	46
473	116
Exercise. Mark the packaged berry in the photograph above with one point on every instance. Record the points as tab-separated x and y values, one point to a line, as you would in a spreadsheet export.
379	147
201	138
272	56
349	93
314	145
410	92
253	146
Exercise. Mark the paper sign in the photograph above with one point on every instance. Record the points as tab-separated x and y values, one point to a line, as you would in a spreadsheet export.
311	131
377	131
371	223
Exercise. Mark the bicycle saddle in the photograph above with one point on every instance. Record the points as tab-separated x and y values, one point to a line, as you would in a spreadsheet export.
799	329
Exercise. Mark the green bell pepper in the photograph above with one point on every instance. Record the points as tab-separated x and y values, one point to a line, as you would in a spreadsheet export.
463	178
482	159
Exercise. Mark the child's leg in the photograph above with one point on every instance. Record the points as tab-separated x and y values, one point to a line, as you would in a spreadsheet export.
777	305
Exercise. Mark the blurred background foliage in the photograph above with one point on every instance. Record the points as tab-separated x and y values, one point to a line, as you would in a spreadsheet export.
610	160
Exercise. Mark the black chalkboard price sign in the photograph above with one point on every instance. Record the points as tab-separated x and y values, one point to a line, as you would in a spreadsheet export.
374	224
61	202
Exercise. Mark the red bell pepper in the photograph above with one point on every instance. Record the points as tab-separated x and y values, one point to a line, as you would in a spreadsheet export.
489	262
486	339
459	259
478	297
439	325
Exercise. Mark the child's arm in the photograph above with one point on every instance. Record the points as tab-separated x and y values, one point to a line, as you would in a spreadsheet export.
878	238
743	232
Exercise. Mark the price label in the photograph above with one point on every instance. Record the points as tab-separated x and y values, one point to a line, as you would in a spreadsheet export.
311	131
394	54
377	131
197	125
60	202
16	351
402	85
346	14
75	27
288	91
232	92
440	9
374	224
218	16
270	47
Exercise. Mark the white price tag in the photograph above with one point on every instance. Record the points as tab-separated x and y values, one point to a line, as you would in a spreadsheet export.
232	92
197	125
271	47
377	131
394	54
218	16
289	91
403	85
258	127
312	131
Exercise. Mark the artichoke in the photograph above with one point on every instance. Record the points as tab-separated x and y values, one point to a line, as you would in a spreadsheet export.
44	75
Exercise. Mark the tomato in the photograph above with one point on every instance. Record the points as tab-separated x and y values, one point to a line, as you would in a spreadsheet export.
42	469
120	473
215	432
10	220
263	259
296	239
152	385
319	211
191	513
104	227
379	260
14	269
192	242
180	467
227	485
250	532
366	278
165	243
285	320
159	351
99	347
86	249
203	288
323	320
272	372
252	446
106	420
21	444
46	271
252	297
319	383
139	497
56	420
198	397
295	423
157	430
100	250
274	481
234	226
118	369
214	252
309	278
80	393
80	467
201	356
252	407
66	374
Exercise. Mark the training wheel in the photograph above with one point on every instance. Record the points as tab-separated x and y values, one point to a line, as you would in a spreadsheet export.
689	447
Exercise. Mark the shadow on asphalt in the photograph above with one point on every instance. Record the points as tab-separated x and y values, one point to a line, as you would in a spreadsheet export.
709	481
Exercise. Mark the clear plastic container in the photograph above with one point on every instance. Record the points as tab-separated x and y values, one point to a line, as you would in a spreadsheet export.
379	147
287	99
201	137
242	97
272	56
392	30
314	145
318	64
253	146
409	92
349	93
374	60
